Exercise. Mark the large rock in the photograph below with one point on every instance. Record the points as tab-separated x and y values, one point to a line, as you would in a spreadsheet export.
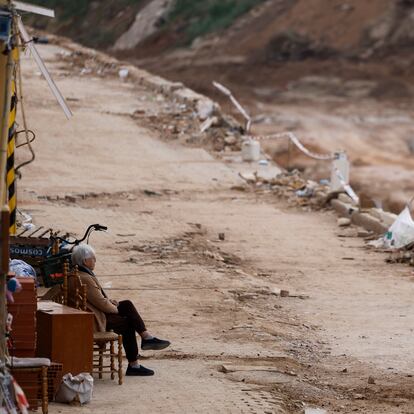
146	24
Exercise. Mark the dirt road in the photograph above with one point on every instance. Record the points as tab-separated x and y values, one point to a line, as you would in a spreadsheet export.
237	346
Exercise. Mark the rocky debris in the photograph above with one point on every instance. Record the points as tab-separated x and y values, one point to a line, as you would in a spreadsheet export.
200	126
344	222
186	115
291	186
309	194
190	246
205	109
403	255
88	64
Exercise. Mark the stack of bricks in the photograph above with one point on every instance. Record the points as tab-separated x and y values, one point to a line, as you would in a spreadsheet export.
23	336
24	319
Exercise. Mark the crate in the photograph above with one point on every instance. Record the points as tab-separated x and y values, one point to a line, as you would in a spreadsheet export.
54	378
23	334
52	269
32	250
31	385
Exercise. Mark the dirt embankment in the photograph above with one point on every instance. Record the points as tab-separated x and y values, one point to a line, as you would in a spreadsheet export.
339	341
337	73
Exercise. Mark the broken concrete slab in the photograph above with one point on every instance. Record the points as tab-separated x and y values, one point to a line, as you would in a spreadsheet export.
368	222
345	198
343	209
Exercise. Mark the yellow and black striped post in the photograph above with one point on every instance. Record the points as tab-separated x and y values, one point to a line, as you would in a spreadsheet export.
11	145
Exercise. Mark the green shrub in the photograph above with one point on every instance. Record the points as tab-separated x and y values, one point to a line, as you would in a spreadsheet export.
200	17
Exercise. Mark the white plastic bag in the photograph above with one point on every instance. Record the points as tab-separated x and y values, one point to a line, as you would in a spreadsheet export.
401	232
75	388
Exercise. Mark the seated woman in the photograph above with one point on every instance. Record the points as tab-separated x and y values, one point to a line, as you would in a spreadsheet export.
121	317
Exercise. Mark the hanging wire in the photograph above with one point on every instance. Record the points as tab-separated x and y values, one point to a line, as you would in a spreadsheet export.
26	131
288	134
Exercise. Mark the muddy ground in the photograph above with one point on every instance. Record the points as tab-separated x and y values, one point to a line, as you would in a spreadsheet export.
309	67
341	341
331	106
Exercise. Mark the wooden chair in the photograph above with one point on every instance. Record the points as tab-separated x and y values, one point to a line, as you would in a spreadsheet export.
77	298
21	368
62	294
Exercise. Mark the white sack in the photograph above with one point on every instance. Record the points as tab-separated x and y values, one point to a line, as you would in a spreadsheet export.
79	387
401	232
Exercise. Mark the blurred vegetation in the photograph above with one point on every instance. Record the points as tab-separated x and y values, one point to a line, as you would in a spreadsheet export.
95	23
65	8
98	23
200	17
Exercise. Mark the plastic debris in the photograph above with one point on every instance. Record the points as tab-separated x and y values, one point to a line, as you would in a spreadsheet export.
21	268
123	73
401	233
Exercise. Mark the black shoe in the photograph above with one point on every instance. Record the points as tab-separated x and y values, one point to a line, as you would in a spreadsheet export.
138	371
154	344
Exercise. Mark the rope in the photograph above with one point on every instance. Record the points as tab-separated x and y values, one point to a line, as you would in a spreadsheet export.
290	135
295	140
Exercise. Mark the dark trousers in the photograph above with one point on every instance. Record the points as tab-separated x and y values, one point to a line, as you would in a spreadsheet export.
126	323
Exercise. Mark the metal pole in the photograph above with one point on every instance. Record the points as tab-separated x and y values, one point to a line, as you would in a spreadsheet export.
6	72
4	270
5	125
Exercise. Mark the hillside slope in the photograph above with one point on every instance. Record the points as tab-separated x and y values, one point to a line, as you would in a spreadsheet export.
106	23
337	72
308	27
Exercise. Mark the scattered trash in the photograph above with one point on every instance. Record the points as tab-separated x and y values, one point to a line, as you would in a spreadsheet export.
208	123
306	192
264	162
221	236
401	233
205	109
25	221
123	74
371	380
340	164
86	71
250	150
28	226
346	187
284	293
